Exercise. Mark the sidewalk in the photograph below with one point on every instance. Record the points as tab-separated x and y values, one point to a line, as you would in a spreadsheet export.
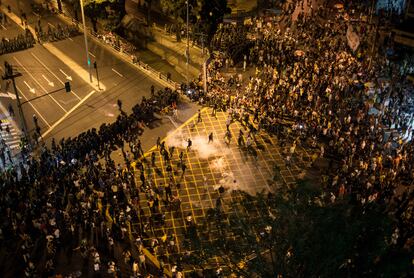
162	37
148	65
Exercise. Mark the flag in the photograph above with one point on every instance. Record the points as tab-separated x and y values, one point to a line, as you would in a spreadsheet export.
352	38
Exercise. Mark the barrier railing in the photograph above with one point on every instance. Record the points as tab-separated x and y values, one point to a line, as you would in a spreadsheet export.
125	49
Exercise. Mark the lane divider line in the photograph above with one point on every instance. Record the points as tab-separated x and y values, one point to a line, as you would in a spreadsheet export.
63	83
67	114
56	52
117	72
34	108
40	85
78	69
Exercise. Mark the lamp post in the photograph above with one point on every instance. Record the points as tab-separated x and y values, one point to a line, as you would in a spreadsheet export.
188	44
86	41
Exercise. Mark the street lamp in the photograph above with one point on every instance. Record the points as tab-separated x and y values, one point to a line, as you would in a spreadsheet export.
86	41
188	44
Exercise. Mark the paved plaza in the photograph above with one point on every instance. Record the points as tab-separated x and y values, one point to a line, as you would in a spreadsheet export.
214	170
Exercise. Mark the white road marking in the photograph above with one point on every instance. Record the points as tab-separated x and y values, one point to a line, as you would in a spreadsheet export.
92	55
32	90
34	108
70	39
36	14
67	102
51	84
40	85
3	27
11	95
50	24
17	20
67	114
8	95
70	63
117	72
68	77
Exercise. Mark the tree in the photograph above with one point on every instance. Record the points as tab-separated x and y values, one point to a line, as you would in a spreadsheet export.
148	4
74	4
178	11
95	9
204	15
59	4
211	15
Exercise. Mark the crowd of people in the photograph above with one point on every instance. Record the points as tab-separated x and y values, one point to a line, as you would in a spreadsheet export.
57	33
74	199
311	87
117	42
307	87
229	37
27	40
21	42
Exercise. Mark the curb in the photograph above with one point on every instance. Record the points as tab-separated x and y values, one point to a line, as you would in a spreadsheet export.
146	69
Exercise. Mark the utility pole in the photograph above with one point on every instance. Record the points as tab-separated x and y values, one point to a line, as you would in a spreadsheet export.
9	75
86	41
59	4
188	43
203	36
97	76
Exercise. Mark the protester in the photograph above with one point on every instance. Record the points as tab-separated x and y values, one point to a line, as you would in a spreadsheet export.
68	195
307	87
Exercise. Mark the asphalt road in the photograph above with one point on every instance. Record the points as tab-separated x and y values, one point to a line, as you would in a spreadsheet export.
9	29
67	114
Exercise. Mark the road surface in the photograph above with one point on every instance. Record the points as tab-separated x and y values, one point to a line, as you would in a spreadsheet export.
47	67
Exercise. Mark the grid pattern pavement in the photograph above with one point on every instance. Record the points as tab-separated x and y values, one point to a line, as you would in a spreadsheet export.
211	166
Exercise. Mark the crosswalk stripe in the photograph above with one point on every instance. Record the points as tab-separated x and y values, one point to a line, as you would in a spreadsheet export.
12	138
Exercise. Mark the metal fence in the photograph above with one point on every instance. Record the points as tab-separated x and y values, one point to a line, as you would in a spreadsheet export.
127	50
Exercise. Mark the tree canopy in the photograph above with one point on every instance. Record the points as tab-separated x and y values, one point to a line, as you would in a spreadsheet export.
205	15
